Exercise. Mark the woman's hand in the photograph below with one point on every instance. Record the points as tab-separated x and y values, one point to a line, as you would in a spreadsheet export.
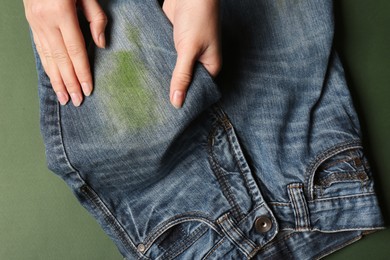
61	46
196	37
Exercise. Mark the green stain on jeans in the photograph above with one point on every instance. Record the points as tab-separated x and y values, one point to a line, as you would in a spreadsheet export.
130	102
133	35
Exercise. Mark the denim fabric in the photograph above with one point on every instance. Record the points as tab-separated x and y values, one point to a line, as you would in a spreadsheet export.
265	162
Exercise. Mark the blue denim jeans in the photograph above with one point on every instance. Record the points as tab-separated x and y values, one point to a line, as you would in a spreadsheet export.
264	162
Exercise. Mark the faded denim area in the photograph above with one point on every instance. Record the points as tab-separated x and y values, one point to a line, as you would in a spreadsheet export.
264	162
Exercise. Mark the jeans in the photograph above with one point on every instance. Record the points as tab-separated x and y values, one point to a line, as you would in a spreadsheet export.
264	162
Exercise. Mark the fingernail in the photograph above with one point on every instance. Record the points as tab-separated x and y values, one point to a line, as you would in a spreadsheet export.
76	99
102	40
87	88
178	98
62	98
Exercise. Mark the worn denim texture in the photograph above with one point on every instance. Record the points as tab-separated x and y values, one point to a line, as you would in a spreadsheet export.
265	162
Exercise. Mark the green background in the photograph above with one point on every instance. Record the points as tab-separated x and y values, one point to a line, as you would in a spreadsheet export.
39	217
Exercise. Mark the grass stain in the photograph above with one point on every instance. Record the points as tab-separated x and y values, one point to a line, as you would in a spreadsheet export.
132	104
133	35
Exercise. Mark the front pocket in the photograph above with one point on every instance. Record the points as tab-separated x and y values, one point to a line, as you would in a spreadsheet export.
346	173
177	235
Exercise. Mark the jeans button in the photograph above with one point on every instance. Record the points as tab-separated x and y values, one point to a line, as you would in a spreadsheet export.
263	224
141	248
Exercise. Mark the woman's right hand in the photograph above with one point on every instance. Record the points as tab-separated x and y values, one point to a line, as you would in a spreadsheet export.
61	46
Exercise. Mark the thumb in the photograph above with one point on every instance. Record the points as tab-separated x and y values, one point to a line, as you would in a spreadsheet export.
97	21
181	77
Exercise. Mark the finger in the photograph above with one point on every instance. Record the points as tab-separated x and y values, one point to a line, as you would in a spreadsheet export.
181	77
97	19
60	56
75	46
54	74
57	83
38	46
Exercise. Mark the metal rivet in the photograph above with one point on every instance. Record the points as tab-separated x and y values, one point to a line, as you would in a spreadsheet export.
263	224
141	248
358	162
362	176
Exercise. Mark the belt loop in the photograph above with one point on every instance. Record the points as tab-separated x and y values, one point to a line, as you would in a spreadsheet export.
299	206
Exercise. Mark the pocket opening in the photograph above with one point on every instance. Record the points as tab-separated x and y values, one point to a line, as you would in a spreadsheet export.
185	227
344	173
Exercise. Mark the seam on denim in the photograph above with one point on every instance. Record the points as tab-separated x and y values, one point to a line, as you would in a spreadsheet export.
365	228
328	252
281	204
356	228
322	157
110	219
237	153
352	157
245	240
226	219
279	246
287	227
254	252
342	177
182	245
258	247
345	197
221	178
59	126
163	227
215	247
248	215
271	244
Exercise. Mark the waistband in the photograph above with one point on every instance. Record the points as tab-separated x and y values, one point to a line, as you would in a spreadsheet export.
339	217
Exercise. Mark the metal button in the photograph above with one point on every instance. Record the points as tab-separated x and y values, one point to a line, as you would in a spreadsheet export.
263	224
141	248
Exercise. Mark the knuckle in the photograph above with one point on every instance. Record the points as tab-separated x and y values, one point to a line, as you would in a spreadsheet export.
46	53
60	56
100	17
75	49
56	84
184	77
72	86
